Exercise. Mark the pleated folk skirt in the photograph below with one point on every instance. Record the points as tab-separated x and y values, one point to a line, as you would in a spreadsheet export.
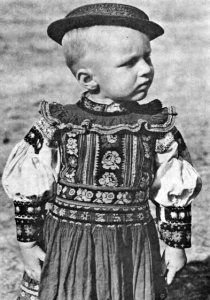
92	262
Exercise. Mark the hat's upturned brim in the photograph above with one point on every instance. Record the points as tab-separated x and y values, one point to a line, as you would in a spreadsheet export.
59	28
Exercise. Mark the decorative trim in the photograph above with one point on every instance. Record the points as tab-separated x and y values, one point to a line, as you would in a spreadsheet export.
181	215
28	230
48	131
29	288
101	215
35	139
134	156
164	144
100	194
175	235
96	188
29	218
165	127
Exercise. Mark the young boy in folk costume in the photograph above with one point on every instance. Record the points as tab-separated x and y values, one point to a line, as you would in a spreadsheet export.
98	162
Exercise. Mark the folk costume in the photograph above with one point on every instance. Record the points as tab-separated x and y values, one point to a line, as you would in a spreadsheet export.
98	165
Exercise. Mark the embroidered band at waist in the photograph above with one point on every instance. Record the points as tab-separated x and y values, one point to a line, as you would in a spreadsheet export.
69	211
92	194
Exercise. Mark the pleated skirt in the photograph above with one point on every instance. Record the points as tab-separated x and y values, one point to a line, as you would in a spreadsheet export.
87	261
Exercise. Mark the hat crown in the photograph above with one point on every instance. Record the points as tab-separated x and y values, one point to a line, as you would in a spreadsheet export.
108	9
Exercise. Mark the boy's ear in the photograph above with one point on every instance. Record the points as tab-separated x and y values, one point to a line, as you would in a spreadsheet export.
85	78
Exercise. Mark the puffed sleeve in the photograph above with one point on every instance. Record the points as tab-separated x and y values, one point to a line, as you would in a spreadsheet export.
175	186
29	178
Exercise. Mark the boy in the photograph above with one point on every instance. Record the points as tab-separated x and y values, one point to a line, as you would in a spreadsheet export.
114	154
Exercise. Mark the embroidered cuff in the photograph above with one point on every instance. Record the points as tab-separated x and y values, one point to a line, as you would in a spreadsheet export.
175	235
175	225
28	230
174	214
29	221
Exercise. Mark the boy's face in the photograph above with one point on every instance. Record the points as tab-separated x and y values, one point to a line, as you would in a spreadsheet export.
122	66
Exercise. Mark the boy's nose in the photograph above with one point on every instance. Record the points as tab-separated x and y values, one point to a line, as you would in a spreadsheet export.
145	68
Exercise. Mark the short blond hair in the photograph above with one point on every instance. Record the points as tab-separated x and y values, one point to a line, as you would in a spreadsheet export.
77	43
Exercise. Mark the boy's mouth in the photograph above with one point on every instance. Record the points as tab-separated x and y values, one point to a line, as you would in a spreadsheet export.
144	85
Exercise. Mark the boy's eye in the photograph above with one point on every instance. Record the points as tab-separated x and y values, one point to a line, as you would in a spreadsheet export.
148	59
130	63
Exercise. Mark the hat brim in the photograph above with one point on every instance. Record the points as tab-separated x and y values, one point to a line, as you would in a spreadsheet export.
59	28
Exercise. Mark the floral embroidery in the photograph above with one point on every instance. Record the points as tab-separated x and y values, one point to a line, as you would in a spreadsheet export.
176	236
144	180
146	149
19	230
29	230
109	140
140	196
124	198
47	130
146	138
97	108
92	105
73	161
104	197
71	176
165	143
111	160
166	234
72	192
62	212
59	189
108	179
84	195
72	146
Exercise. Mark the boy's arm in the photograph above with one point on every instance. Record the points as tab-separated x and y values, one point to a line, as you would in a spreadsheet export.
176	184
29	178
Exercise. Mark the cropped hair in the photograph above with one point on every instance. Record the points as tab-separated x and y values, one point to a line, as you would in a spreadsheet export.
77	43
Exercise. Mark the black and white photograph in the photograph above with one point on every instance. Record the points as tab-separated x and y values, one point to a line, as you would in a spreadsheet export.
105	150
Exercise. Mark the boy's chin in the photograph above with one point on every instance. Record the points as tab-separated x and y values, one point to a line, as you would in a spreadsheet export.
140	96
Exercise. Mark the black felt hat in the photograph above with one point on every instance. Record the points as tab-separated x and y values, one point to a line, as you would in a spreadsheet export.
104	14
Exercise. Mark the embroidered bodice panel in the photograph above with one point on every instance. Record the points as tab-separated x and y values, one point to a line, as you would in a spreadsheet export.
106	168
107	151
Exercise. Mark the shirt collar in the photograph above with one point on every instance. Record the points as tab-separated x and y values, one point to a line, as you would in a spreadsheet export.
100	107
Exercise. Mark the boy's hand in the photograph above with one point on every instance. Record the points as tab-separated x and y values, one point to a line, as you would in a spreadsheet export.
174	260
32	254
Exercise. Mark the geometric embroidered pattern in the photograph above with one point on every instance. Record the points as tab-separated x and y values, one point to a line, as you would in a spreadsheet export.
70	212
